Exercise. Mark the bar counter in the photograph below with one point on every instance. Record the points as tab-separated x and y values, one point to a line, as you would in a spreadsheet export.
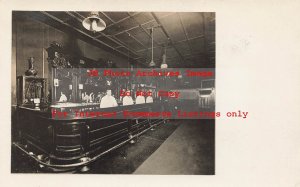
66	143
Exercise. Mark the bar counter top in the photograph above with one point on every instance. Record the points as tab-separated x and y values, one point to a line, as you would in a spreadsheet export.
72	111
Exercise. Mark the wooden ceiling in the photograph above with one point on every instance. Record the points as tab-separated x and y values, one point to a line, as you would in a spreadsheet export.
188	37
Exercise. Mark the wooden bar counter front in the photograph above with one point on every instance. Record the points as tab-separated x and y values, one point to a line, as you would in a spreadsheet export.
71	142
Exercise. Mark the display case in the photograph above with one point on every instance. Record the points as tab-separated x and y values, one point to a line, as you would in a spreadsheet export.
31	91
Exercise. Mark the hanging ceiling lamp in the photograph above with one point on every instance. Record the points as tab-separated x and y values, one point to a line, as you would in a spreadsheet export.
152	63
94	23
164	64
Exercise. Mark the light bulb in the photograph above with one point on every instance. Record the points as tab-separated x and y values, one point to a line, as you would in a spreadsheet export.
94	25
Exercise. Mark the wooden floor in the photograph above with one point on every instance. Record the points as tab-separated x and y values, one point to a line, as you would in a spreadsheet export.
189	150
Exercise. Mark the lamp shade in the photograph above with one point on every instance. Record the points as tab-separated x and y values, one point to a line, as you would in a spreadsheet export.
152	64
164	64
94	23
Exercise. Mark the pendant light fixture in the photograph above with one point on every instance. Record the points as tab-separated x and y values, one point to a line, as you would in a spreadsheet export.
94	23
164	64
152	63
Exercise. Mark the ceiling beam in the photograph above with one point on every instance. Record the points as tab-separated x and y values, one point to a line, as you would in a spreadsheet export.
120	21
80	20
112	39
127	46
185	33
85	35
167	35
189	55
204	33
132	35
175	43
140	25
78	30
